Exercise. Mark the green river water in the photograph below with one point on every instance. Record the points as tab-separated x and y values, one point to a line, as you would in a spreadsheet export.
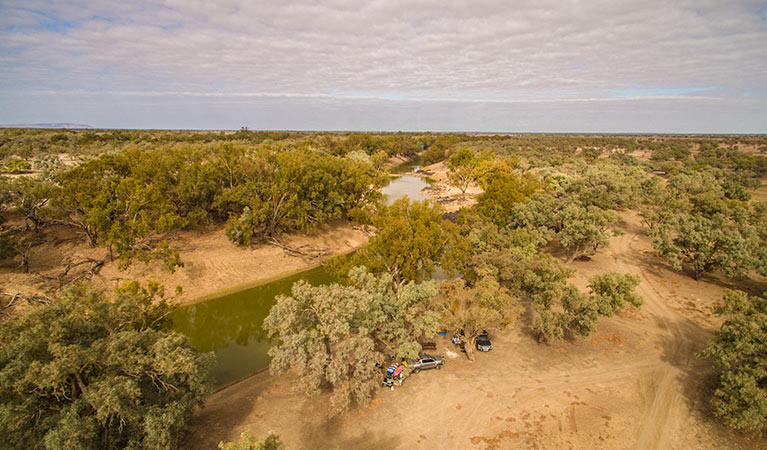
230	325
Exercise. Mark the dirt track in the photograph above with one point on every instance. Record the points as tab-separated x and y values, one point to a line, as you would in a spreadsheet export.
635	384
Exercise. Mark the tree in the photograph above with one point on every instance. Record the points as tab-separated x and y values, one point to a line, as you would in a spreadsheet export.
502	189
337	335
613	291
560	309
462	164
379	159
16	165
584	228
472	310
247	442
294	190
706	244
739	353
411	239
538	214
758	220
29	196
607	186
568	313
5	196
92	372
577	313
19	242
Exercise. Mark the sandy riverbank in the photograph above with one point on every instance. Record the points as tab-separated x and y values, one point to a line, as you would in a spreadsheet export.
212	264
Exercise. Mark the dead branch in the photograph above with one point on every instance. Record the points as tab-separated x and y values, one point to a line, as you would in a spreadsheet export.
303	251
63	278
38	298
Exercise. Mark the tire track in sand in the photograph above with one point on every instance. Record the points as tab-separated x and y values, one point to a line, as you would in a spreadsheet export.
665	407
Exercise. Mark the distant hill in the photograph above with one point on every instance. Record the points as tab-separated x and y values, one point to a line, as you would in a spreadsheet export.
46	125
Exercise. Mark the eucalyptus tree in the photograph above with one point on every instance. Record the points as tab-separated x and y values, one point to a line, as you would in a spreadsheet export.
473	309
739	353
338	335
411	239
462	164
95	372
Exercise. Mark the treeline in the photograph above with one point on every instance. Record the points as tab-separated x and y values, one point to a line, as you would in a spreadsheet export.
700	214
29	144
129	200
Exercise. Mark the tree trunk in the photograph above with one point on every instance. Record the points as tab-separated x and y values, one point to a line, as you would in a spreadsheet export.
469	347
81	384
90	236
25	259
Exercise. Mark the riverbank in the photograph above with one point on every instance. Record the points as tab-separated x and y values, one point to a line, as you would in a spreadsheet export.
213	265
442	192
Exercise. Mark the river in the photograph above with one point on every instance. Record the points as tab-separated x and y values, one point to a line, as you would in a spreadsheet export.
231	325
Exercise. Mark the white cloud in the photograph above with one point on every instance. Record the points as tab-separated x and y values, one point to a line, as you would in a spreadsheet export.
437	52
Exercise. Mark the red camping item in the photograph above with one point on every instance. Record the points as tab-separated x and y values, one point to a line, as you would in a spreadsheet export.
397	371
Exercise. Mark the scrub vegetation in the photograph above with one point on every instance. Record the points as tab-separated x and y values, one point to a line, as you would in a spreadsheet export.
82	368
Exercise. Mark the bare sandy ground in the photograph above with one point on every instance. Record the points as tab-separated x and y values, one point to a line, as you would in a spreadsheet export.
440	191
635	384
212	264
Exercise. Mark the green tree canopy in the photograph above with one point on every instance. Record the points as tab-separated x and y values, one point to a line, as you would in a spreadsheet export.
462	164
411	239
584	228
338	335
573	313
91	372
502	190
248	442
739	352
707	244
560	309
581	228
484	306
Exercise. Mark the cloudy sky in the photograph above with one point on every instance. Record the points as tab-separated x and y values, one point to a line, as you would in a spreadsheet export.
443	65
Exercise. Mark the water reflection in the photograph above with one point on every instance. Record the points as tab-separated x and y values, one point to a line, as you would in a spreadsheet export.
405	186
231	325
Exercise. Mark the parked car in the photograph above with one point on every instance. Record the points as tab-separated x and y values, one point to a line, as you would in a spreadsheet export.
483	342
427	362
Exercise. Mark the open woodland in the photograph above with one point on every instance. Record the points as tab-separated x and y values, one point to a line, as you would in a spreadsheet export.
621	277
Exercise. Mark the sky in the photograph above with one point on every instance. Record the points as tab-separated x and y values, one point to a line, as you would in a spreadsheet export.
667	66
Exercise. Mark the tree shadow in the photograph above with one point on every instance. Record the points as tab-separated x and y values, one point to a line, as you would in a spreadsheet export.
225	409
326	435
526	320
